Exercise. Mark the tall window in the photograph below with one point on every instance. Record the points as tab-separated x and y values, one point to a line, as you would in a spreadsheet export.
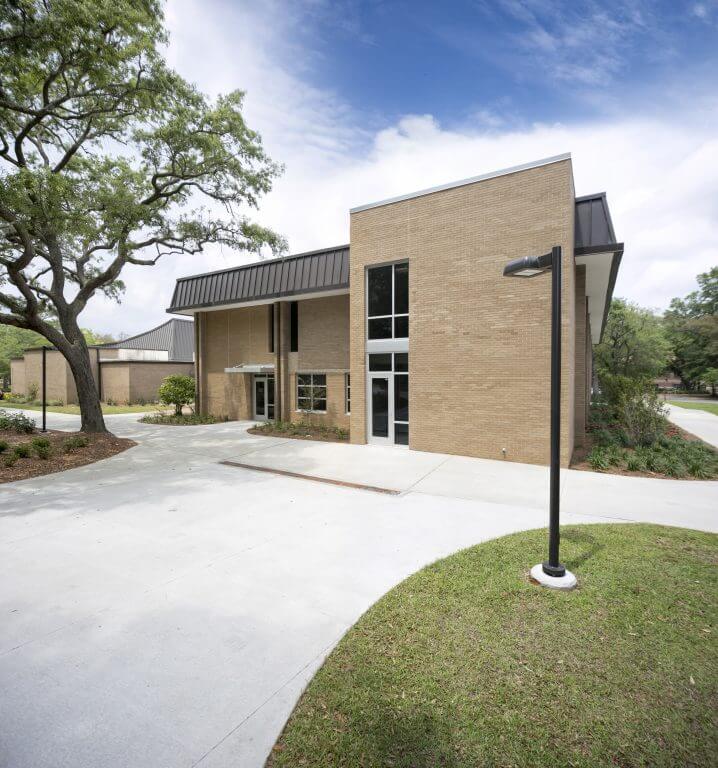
270	324
312	392
388	302
348	392
293	326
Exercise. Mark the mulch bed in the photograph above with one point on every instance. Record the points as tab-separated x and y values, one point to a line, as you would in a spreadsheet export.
325	437
580	454
99	447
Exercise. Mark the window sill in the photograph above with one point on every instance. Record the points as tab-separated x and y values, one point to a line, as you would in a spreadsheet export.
320	412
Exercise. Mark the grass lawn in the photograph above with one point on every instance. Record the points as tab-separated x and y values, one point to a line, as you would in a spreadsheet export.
106	409
698	405
467	664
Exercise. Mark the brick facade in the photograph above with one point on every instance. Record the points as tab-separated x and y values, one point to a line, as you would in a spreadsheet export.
479	343
241	336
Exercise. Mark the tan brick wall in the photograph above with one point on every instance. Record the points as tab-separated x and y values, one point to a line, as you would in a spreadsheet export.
60	385
580	373
116	382
479	351
323	333
17	376
232	337
145	378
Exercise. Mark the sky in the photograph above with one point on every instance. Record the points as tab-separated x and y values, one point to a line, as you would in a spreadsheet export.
361	101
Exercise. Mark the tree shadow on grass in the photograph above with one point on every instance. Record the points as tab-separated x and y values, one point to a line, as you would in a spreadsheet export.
411	738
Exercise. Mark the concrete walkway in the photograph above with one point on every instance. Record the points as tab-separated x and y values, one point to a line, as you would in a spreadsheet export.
162	609
700	423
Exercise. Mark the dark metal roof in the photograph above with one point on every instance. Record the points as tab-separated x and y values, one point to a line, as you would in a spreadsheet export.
175	336
312	272
593	222
594	234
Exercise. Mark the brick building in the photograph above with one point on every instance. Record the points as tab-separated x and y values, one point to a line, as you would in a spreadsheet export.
127	371
410	335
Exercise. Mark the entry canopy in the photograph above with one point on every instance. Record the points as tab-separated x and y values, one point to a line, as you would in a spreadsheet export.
251	368
596	248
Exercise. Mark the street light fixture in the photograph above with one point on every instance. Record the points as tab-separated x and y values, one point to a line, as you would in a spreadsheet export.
550	573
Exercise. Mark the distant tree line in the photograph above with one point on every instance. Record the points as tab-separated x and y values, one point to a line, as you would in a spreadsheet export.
638	343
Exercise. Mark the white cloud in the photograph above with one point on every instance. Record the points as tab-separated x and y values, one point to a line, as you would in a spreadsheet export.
659	172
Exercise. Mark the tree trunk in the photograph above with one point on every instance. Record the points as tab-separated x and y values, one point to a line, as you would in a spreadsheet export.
78	358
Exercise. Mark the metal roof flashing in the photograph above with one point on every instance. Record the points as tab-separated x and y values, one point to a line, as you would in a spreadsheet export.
464	182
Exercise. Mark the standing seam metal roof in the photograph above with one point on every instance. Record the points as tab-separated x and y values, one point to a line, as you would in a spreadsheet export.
175	336
310	272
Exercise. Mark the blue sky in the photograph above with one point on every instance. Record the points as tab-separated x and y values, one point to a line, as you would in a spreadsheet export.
364	100
509	60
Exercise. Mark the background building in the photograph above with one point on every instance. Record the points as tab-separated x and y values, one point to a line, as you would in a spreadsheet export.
127	371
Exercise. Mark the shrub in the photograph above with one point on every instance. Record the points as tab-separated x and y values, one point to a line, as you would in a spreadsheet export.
16	422
4	445
598	459
42	447
32	391
633	405
74	443
9	460
23	451
635	463
178	391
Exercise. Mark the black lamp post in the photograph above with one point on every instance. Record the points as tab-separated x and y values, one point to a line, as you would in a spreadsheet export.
44	389
530	266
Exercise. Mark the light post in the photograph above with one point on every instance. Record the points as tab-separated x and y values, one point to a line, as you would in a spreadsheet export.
44	389
550	573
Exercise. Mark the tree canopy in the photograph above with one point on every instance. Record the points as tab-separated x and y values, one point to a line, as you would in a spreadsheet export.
634	342
692	328
108	158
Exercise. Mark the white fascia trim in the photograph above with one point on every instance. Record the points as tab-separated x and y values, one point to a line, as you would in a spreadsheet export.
463	182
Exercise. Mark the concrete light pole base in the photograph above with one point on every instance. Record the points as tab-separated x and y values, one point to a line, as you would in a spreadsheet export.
567	581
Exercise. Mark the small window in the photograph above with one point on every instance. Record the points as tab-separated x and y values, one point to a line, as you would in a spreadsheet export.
401	362
348	392
294	326
312	392
270	325
380	362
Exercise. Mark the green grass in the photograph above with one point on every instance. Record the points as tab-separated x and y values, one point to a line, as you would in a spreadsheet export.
106	409
467	664
698	405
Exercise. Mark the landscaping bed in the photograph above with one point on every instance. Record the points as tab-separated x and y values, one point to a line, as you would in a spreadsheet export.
181	420
634	437
468	664
301	430
25	452
679	454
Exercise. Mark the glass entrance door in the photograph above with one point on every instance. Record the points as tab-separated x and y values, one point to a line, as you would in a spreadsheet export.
380	409
263	398
388	398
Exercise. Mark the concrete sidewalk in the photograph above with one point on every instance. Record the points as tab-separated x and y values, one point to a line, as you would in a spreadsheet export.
162	609
497	482
699	423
